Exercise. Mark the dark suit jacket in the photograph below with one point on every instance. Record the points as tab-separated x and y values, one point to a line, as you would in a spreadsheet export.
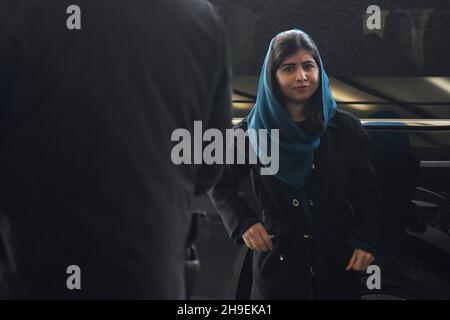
86	118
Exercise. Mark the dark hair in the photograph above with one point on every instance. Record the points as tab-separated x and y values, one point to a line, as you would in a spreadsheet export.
284	45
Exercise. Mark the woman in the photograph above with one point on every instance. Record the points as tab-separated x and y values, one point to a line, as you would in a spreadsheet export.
316	223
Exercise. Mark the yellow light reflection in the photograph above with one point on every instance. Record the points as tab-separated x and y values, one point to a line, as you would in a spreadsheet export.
440	82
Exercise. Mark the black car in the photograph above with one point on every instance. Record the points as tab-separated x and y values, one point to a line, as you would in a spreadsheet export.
396	79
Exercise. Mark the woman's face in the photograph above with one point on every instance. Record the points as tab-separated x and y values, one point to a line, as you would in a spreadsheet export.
298	77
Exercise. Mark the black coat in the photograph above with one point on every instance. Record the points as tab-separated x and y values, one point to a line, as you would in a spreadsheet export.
309	256
86	117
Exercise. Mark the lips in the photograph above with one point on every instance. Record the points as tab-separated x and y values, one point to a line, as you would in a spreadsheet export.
301	88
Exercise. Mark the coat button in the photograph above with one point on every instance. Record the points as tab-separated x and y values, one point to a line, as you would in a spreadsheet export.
311	203
306	236
281	257
295	202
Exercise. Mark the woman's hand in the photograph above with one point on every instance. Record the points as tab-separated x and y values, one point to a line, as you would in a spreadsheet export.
257	238
360	260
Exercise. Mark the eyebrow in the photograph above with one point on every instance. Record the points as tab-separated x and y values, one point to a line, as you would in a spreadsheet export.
293	64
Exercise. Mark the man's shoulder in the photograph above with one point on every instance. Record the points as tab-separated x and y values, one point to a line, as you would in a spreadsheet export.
199	9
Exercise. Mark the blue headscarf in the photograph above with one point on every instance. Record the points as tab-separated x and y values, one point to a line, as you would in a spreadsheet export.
296	148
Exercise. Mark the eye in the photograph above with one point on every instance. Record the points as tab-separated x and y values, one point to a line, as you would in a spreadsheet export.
309	66
289	68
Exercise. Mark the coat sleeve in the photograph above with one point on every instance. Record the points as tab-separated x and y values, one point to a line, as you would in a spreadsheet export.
365	195
234	210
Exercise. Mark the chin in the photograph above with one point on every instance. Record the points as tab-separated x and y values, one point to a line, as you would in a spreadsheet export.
300	100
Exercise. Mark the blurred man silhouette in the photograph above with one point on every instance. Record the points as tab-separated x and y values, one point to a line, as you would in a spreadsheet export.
86	116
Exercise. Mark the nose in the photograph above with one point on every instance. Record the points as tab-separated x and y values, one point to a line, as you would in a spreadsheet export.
301	75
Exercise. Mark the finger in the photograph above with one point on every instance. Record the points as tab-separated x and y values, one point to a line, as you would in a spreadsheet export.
255	243
247	237
267	241
252	230
249	242
262	237
359	263
252	239
371	259
368	259
250	235
352	261
266	238
261	244
363	262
